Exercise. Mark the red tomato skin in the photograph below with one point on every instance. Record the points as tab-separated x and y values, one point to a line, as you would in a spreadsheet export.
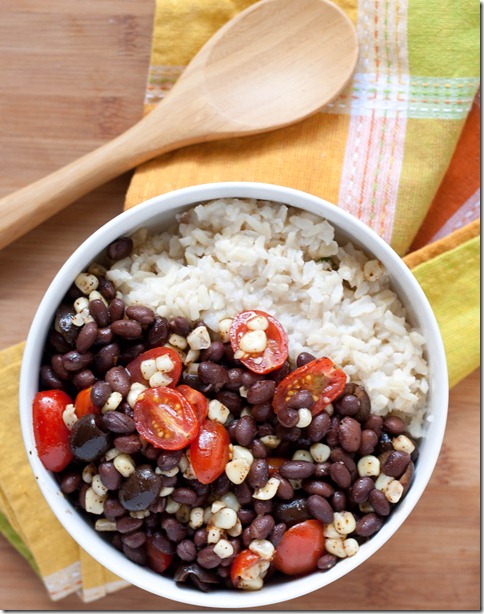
197	400
165	418
324	379
300	548
243	561
50	433
158	561
209	452
277	343
83	404
135	371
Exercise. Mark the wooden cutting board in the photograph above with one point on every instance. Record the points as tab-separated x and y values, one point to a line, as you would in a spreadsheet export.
72	75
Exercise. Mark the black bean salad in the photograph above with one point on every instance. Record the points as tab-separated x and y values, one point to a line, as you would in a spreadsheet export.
205	455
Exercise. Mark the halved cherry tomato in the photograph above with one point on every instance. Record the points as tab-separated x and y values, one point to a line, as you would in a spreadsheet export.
157	560
275	352
244	569
83	403
165	418
209	452
197	400
300	548
134	366
323	380
50	433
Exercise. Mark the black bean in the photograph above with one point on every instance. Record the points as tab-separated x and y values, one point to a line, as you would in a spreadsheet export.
368	525
262	527
104	336
88	439
137	555
131	352
157	507
149	450
320	509
184	495
213	374
142	314
106	358
302	398
214	353
127	524
75	361
374	423
243	493
134	540
175	530
288	417
113	508
369	440
100	393
200	537
339	455
128	444
394	425
120	248
186	550
87	337
262	412
64	325
106	288
279	374
181	326
296	469
332	435
70	482
318	487
258	449
207	558
158	332
338	501
245	430
285	491
221	485
347	405
83	379
293	512
49	378
110	476
322	470
99	312
327	561
162	543
127	329
57	341
58	367
349	434
361	488
258	474
304	358
396	463
246	515
249	378
261	392
116	309
231	400
118	422
379	502
384	443
246	537
275	537
263	507
140	490
169	460
119	380
340	474
234	381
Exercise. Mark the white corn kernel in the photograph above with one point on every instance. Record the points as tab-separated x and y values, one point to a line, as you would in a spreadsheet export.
124	464
166	490
296	484
140	514
320	452
336	547
254	584
217	411
263	547
394	491
217	506
182	514
305	417
344	522
164	364
329	409
81	303
96	269
88	473
373	270
183	463
159	379
187	472
236	530
382	482
192	367
224	518
171	506
351	546
258	570
270	441
69	416
329	531
134	392
113	402
103	524
243	389
258	323
148	368
366	507
98	486
223	549
178	341
268	491
199	338
86	282
111	454
368	465
245	412
214	534
196	518
169	473
243	453
253	342
403	444
224	329
178	350
95	502
97	296
237	470
191	357
230	500
207	516
303	455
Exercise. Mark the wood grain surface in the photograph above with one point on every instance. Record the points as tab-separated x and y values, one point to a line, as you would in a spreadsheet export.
72	75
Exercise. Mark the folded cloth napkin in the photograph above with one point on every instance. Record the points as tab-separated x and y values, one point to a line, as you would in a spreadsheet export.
399	148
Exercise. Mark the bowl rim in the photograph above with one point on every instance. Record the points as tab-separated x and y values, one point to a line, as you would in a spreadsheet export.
126	223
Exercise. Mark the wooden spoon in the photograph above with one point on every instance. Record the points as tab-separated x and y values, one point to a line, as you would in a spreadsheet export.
274	64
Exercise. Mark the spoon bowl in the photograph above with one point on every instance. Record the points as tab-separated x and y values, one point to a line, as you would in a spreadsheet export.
272	65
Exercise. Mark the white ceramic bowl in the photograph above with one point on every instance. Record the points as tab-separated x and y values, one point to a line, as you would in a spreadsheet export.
155	213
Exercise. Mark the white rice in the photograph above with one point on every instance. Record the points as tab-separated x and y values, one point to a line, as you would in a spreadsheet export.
231	255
